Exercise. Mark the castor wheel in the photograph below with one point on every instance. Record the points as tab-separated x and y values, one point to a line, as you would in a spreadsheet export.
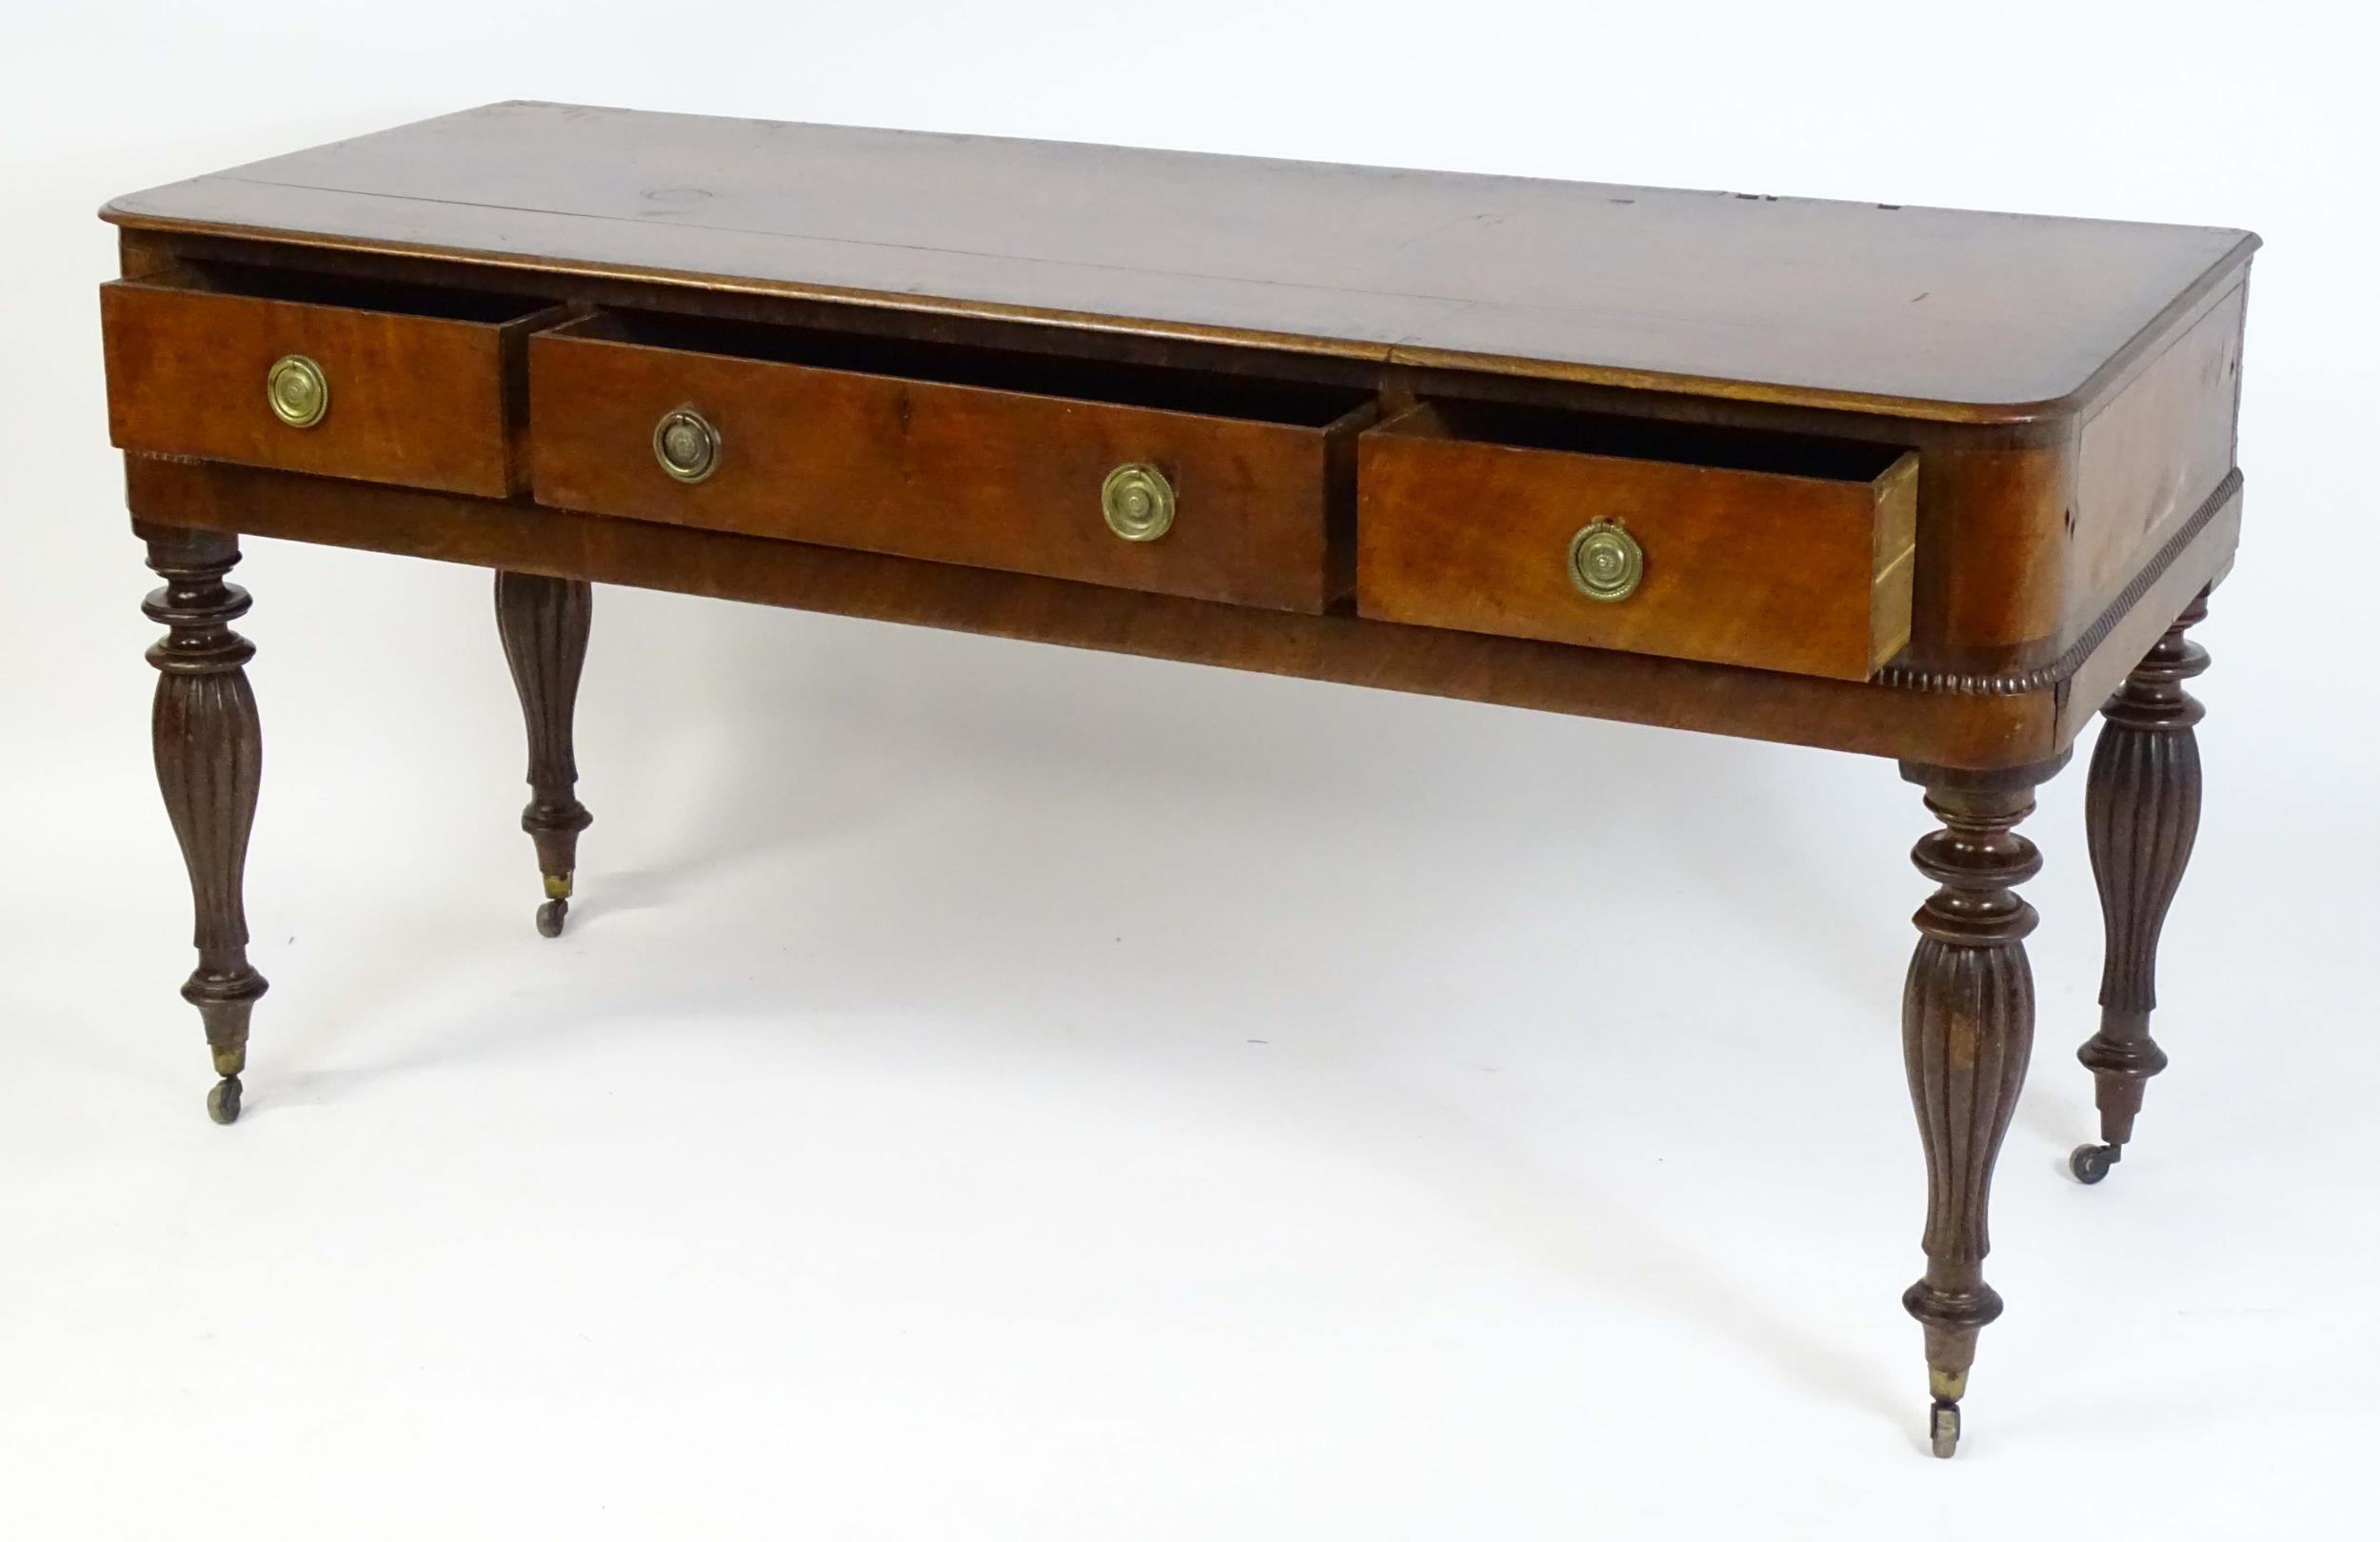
1944	1430
223	1100
2091	1163
549	917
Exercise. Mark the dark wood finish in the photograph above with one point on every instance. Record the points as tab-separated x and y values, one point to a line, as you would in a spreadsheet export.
2141	811
423	396
926	352
2147	459
543	623
1793	555
209	754
1948	724
1927	312
1943	726
2131	626
975	474
1966	1034
2007	579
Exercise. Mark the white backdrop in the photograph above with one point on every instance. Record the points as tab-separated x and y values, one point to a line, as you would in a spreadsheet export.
990	1091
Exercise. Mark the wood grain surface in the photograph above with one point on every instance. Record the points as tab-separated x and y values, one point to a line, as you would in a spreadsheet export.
423	388
1774	554
1924	313
967	473
1938	728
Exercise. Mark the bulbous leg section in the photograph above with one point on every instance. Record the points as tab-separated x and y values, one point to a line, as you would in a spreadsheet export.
2141	812
209	756
545	622
1967	1018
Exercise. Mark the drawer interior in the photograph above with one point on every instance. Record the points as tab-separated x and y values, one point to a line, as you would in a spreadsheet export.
1640	439
1243	397
300	287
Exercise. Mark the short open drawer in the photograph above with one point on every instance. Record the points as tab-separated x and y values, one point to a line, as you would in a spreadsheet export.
1778	553
311	372
1167	481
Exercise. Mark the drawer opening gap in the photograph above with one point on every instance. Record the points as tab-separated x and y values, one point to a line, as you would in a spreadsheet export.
1254	399
435	300
1642	439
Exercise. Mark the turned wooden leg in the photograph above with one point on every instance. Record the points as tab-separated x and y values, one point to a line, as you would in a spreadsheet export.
1966	1031
543	623
209	753
2142	816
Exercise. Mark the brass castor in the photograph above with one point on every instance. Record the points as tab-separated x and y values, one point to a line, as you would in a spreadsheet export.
223	1100
2091	1163
1945	1429
549	917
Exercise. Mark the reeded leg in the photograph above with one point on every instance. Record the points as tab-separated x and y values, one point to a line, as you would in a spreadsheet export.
2142	815
1966	1031
209	751
543	622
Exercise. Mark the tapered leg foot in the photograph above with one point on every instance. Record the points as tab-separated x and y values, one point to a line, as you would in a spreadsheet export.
2141	812
543	622
1966	1033
209	755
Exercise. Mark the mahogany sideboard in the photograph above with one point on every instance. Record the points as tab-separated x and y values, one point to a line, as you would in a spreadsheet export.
1921	484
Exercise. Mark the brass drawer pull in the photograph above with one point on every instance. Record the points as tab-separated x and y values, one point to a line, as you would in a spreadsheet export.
1605	562
297	391
1138	502
686	444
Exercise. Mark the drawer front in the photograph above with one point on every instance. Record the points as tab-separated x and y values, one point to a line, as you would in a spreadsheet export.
1793	571
421	399
967	474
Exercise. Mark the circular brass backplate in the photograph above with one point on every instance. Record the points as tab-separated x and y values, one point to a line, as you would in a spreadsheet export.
1605	562
297	390
686	444
1138	502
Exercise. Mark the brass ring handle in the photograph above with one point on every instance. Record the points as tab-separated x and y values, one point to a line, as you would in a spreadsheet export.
686	444
1605	562
1138	502
297	390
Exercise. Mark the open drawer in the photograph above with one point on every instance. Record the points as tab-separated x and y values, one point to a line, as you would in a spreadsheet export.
1168	480
1779	553
311	372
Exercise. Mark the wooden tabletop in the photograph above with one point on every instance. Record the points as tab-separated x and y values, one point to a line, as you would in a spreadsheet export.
1917	312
